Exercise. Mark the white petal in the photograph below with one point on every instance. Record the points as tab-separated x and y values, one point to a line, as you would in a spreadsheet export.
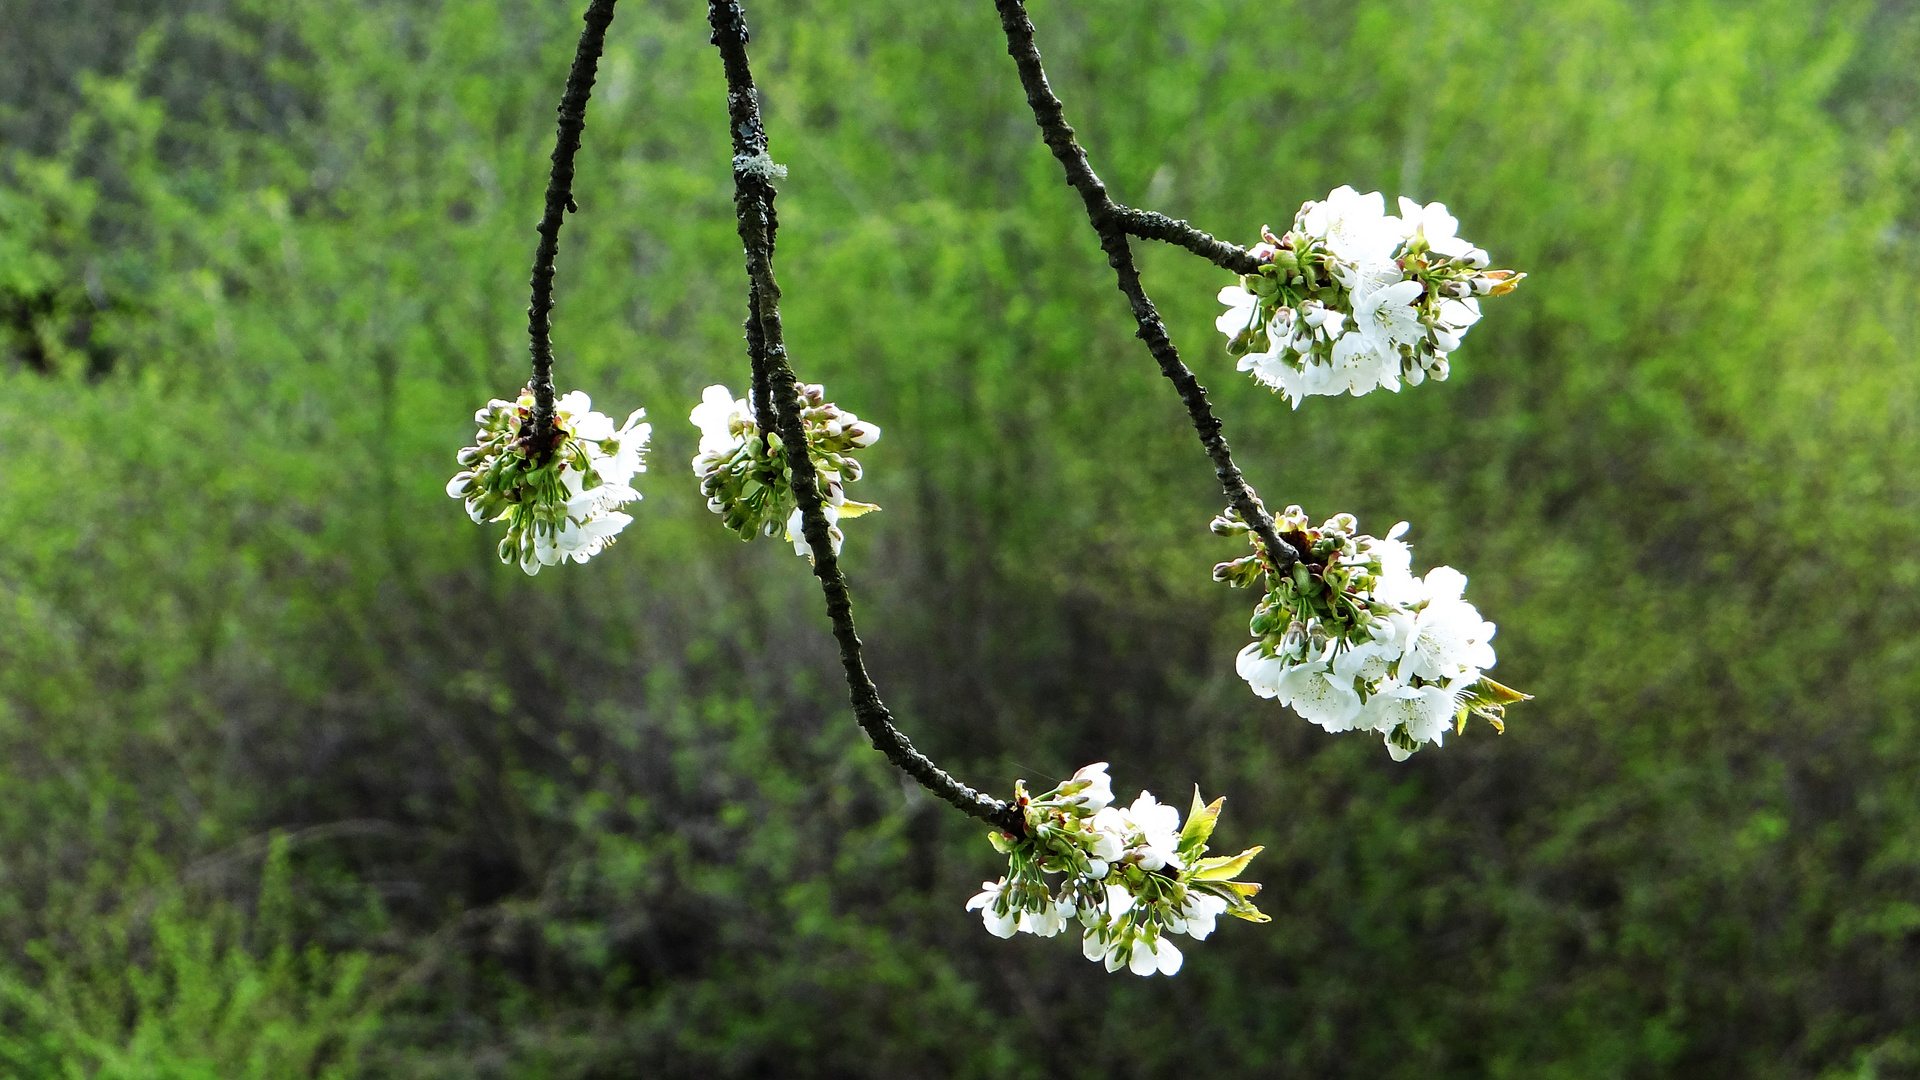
1167	957
1321	699
1143	962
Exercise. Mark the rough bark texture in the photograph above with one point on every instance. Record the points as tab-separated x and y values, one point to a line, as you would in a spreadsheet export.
1111	221
1150	225
777	391
573	118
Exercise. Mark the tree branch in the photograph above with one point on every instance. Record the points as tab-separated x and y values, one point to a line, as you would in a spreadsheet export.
573	118
753	205
1110	221
1150	225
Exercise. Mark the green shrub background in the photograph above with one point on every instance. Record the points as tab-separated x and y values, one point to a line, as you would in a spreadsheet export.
296	780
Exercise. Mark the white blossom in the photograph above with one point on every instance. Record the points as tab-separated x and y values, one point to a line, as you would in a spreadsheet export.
1242	314
1366	646
719	417
1199	913
796	530
564	504
747	477
1261	671
1160	956
1384	314
1099	792
1351	300
1355	226
1133	875
1426	711
1001	924
1046	922
1320	696
1434	223
1149	831
1450	640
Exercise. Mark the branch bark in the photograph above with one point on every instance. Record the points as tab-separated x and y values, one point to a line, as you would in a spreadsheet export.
1149	225
1111	221
573	118
777	391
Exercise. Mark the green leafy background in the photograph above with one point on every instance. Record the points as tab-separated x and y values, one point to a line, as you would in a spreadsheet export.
296	780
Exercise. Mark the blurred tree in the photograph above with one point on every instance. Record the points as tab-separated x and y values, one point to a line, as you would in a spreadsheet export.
620	825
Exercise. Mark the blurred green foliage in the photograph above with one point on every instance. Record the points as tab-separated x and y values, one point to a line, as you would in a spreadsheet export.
299	781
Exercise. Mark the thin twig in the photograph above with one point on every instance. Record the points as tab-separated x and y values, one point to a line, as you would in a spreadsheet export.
753	205
573	117
1150	225
1110	221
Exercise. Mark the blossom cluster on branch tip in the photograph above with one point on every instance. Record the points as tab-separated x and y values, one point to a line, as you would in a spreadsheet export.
564	504
1351	298
1352	641
1132	876
745	476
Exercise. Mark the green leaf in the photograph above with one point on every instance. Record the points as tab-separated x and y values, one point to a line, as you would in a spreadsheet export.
1238	895
1493	693
1200	822
1225	868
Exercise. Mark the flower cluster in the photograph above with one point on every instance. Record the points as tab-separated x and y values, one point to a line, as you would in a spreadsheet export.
563	504
745	477
1132	876
1351	298
1352	641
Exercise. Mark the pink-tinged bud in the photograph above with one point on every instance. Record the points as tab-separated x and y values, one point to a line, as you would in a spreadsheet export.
1262	252
1267	235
